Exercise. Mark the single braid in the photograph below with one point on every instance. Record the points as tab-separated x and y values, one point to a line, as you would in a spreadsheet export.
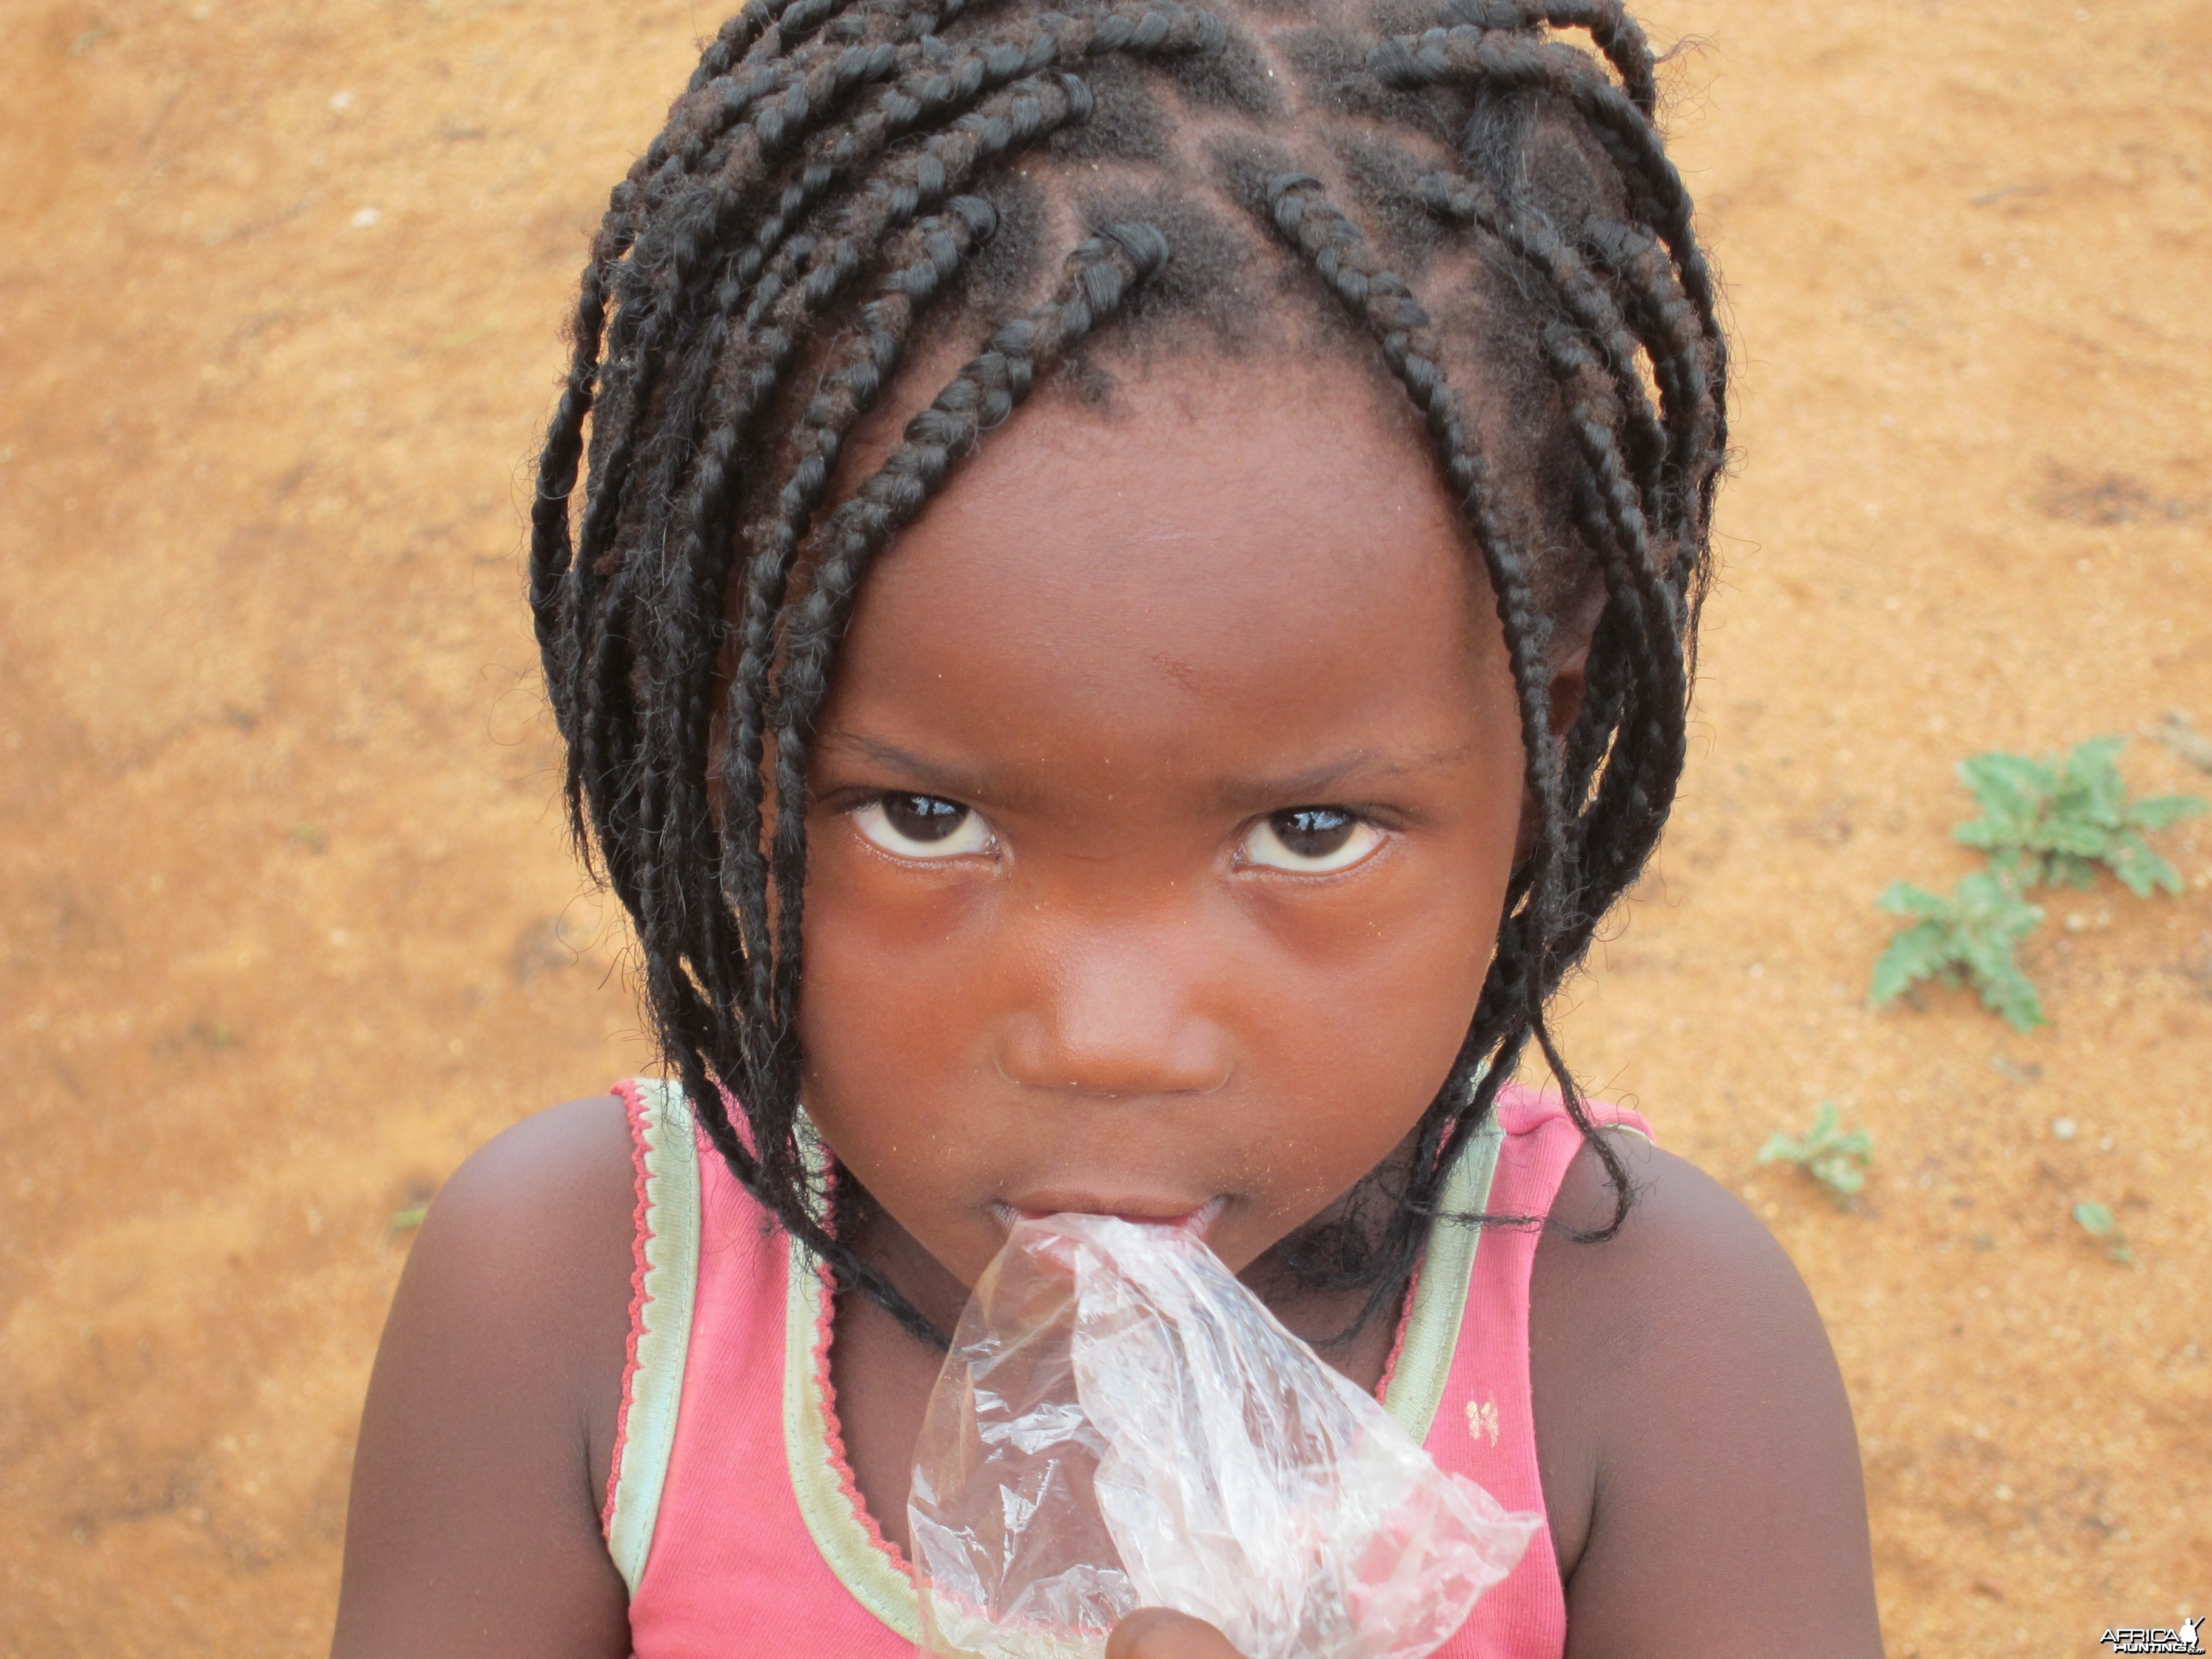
1100	272
1606	22
1304	217
1690	373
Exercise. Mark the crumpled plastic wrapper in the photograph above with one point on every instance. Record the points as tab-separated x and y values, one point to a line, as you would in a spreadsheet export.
1120	1424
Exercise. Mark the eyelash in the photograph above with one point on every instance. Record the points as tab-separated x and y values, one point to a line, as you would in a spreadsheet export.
1266	842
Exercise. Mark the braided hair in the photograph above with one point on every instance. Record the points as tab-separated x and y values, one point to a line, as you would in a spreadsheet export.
1462	194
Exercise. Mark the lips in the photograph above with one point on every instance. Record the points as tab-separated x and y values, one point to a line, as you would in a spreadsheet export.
1158	1211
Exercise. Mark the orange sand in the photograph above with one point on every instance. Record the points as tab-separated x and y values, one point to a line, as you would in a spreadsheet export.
286	923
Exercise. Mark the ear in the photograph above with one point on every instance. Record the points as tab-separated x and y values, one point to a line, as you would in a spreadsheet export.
1576	623
1570	683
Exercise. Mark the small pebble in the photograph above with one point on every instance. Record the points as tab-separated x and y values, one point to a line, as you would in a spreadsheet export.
365	218
2064	1127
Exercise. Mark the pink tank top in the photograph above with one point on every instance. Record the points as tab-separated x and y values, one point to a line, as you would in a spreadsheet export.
732	1512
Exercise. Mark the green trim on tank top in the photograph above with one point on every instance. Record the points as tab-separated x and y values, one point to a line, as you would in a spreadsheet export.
1424	1360
864	1566
671	1277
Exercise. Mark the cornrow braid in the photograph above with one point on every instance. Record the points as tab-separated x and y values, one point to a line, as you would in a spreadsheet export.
1607	26
1483	209
1507	59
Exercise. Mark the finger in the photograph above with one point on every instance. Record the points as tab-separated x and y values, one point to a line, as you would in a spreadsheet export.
1156	1633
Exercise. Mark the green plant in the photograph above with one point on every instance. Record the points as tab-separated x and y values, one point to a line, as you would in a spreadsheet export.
2057	819
1971	934
2097	1221
2052	820
1832	1155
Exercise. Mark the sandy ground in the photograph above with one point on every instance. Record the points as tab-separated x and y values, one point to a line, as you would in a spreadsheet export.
287	924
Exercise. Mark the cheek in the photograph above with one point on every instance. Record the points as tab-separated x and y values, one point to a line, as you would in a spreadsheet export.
893	1016
1370	1004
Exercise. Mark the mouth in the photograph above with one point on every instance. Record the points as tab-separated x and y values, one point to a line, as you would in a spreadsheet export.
1153	1212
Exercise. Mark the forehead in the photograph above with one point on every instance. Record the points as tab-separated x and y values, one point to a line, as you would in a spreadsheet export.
1219	550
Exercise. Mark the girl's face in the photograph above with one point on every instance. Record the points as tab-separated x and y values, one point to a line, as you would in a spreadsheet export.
1165	804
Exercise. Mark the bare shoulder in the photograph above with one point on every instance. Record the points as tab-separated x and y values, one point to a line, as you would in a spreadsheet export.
473	1523
525	1257
1696	1443
538	1173
1688	1252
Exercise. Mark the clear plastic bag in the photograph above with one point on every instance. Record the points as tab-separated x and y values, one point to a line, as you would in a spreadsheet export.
1121	1423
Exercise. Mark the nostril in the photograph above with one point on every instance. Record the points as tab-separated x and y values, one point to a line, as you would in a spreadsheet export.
1087	1081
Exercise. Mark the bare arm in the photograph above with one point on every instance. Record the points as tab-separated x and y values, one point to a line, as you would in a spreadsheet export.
1698	1457
473	1527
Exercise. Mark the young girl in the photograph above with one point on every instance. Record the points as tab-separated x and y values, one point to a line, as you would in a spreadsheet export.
1131	614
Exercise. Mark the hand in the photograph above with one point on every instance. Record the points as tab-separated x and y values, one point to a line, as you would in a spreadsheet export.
1156	1633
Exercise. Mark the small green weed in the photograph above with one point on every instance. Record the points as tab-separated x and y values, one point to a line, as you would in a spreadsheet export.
1971	934
214	1034
1834	1156
405	1221
2057	819
2097	1221
2047	821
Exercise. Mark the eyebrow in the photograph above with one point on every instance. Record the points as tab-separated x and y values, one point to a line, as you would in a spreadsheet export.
931	777
1317	784
1308	785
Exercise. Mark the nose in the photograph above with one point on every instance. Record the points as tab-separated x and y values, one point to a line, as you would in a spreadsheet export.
1117	1015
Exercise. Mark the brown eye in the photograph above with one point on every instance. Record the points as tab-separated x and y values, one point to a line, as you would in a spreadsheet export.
1313	832
913	826
924	817
1310	840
